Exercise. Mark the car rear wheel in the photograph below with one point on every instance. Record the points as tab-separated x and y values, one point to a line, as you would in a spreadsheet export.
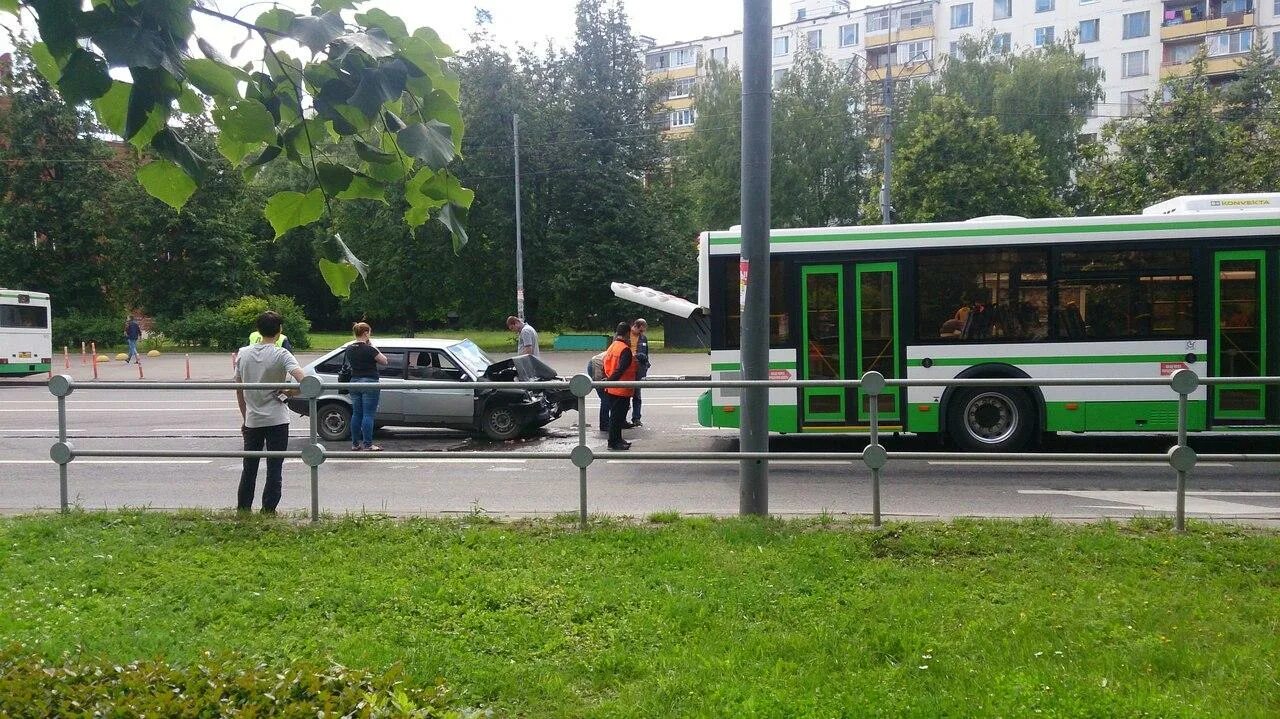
500	423
334	421
991	420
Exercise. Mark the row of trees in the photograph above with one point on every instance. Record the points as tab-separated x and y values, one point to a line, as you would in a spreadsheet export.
605	195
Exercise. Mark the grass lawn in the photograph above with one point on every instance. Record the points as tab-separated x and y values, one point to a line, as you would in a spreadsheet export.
496	341
693	617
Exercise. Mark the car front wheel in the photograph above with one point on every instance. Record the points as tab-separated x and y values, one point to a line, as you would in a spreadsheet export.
334	421
500	423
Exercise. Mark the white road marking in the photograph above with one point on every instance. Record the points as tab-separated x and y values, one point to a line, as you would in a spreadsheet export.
1162	501
392	460
108	461
121	402
43	429
772	462
128	410
1034	463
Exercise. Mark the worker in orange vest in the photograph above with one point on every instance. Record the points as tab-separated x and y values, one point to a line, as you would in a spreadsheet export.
619	366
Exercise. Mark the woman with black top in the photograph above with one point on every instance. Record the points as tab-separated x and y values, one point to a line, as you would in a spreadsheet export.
363	359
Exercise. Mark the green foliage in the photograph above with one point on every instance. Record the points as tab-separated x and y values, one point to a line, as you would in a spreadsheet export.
79	685
354	87
956	165
76	327
229	327
713	167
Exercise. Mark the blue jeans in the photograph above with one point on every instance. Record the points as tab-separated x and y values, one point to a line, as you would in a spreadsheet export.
604	405
133	348
364	408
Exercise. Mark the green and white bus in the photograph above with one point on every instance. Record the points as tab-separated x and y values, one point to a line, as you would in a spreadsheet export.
1193	282
26	345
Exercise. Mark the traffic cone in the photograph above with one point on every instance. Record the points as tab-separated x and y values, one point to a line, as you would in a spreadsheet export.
140	371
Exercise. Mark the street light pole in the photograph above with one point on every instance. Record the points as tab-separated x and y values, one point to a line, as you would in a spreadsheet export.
515	150
757	77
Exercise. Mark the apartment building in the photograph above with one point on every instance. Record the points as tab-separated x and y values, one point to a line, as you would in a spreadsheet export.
1136	43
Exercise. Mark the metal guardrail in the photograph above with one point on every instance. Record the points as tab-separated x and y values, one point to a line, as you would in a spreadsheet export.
1180	457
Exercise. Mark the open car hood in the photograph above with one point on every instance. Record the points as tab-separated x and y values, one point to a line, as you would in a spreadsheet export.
523	368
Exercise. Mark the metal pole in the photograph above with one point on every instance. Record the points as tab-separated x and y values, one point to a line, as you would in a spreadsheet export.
875	471
886	211
315	469
1180	512
757	76
63	499
582	471
515	150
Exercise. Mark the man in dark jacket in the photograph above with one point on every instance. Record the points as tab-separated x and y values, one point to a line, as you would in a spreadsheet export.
640	348
132	333
619	367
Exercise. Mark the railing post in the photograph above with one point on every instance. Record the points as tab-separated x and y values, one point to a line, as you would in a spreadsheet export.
1181	457
581	456
872	385
313	453
62	452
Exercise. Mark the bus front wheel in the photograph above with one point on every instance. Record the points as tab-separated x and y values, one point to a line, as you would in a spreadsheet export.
991	420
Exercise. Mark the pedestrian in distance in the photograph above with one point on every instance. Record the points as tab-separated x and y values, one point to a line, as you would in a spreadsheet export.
132	333
619	366
263	413
640	349
363	359
526	336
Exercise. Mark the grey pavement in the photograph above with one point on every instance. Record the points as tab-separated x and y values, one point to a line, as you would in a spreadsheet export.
445	483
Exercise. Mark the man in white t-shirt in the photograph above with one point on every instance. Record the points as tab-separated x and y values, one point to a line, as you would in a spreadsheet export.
527	344
264	415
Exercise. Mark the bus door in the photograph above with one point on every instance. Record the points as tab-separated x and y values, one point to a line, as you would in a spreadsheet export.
850	326
1240	334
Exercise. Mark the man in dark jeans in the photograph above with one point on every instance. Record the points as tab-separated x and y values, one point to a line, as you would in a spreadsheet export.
265	417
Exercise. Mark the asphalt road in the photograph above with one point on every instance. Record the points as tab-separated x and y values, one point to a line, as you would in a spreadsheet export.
444	483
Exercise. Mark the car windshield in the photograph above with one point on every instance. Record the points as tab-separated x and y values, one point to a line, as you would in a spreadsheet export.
471	356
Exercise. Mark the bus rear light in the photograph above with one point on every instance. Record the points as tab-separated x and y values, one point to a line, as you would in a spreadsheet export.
730	409
924	407
1072	406
4	360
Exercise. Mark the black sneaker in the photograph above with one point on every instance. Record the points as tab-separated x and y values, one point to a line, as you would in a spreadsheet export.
620	447
637	423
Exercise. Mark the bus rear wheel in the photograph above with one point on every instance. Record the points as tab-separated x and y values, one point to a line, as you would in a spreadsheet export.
991	420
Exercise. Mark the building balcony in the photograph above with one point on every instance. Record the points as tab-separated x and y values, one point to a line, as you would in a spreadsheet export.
1179	31
1214	66
919	32
915	69
674	73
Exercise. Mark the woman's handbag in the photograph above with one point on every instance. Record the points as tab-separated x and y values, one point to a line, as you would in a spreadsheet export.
344	373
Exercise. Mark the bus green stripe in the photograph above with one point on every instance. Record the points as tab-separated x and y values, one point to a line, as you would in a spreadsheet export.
1008	231
1114	359
25	368
730	366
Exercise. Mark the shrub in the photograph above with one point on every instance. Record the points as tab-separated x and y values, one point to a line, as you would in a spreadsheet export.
228	328
70	331
198	327
80	686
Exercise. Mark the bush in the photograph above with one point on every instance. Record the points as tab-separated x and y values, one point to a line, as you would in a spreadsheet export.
70	331
228	328
79	686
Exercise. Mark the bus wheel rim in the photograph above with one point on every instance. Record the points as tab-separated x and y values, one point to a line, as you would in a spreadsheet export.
991	418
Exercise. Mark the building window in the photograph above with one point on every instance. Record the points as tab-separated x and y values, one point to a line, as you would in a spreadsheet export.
956	51
1133	64
1137	24
1230	43
683	87
813	39
1091	63
779	75
1181	54
1089	30
720	55
781	46
917	50
1230	7
1044	36
658	61
1275	41
918	17
1044	5
683	118
1002	9
878	21
848	35
962	15
685	56
801	14
1002	43
1132	101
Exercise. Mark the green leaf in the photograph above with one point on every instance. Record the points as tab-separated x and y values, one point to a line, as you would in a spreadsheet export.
45	63
236	150
378	86
390	24
453	217
334	178
316	33
374	43
172	148
336	5
296	137
213	78
112	107
369	153
431	142
127	45
287	210
268	154
9	6
363	187
84	77
154	122
245	120
58	22
167	182
277	19
149	104
438	47
439	106
443	77
339	276
189	102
